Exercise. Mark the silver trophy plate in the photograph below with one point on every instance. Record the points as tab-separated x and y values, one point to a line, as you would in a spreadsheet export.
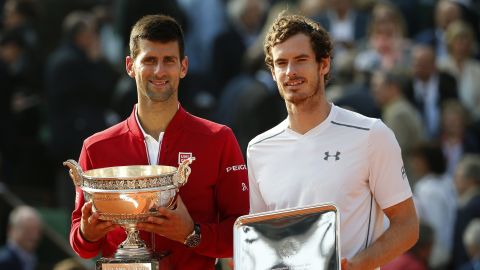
304	238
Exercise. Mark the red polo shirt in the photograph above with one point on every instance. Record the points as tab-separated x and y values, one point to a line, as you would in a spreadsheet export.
215	195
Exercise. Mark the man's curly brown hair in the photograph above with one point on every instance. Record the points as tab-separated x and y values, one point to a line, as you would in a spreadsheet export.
286	26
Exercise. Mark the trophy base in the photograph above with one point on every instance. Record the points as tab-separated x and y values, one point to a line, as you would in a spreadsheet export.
127	264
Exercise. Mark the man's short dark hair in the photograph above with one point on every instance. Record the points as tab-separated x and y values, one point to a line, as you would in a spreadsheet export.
286	26
161	28
433	155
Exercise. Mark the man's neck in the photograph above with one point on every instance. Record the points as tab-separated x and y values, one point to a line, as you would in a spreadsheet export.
155	117
305	117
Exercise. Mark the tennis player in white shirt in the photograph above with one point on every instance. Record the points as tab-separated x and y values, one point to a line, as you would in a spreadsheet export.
322	153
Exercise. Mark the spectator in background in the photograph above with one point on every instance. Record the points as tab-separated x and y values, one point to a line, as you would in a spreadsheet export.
206	20
417	257
22	100
446	11
467	181
246	19
350	89
397	113
79	84
456	136
471	240
435	199
345	23
23	235
20	16
462	65
388	48
429	88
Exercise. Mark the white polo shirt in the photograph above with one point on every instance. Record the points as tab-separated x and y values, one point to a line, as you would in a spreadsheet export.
348	159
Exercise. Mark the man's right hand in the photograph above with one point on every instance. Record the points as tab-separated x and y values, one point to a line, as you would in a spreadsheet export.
91	228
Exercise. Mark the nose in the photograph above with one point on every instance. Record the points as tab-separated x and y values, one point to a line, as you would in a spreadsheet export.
291	70
159	69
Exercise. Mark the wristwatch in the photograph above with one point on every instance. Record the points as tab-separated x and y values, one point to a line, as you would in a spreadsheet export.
193	239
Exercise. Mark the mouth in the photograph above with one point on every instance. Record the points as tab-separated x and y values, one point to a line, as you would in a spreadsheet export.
294	82
159	83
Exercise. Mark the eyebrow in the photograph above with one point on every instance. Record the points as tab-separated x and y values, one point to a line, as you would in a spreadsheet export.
152	57
302	56
170	57
296	57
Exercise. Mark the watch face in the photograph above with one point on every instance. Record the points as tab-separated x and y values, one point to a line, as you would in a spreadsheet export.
193	240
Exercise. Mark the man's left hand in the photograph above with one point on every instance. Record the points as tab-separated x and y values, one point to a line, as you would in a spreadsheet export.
174	224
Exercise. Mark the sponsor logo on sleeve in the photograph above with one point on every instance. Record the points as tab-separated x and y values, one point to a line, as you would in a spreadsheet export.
404	173
182	156
244	187
240	167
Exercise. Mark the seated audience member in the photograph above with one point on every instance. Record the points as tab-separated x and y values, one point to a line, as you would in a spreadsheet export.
388	48
467	181
457	136
397	113
446	11
471	240
461	63
429	88
23	235
435	199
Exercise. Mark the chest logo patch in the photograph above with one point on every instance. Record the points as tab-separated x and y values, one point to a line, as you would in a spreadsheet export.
328	156
182	156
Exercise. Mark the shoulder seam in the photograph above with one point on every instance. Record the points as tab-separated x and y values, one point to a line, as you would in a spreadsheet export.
268	138
347	125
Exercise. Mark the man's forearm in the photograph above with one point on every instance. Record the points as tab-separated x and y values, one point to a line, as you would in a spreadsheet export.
398	238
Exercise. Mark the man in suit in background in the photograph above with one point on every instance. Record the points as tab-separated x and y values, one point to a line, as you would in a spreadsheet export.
23	234
429	88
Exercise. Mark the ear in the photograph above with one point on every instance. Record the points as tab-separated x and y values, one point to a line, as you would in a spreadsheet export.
325	66
183	67
129	66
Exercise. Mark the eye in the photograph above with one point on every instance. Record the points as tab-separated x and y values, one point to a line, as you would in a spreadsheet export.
169	60
280	63
150	61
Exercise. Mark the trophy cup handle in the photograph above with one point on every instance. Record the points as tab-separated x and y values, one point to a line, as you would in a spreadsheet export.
76	172
181	176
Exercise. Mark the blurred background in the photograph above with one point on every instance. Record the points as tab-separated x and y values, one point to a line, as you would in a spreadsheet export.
413	63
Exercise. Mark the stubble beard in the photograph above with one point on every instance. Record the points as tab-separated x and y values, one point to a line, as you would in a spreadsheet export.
160	96
300	100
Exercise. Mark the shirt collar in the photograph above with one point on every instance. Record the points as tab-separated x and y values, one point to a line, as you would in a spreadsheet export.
137	130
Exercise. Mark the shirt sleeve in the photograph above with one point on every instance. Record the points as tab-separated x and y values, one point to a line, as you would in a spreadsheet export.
232	200
81	246
388	179
257	204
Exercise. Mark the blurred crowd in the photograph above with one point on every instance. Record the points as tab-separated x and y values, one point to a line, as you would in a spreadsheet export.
413	63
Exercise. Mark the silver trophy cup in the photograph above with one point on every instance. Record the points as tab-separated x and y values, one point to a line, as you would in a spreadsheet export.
303	238
127	195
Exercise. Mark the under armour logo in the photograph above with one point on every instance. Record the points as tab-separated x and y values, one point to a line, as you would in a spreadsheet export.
327	155
244	187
